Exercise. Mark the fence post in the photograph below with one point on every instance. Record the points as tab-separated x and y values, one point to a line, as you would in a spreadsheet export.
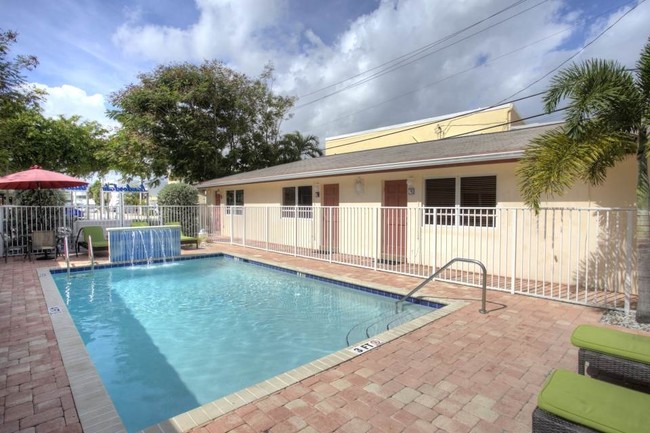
514	253
629	239
266	224
232	222
243	215
378	238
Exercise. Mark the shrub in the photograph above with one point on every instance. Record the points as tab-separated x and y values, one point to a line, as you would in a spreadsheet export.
178	194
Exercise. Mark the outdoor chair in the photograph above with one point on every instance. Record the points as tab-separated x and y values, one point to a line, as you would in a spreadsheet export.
185	240
621	356
569	402
98	239
43	242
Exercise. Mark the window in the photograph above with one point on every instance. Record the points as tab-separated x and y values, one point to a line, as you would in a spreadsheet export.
476	193
471	195
235	198
297	198
440	193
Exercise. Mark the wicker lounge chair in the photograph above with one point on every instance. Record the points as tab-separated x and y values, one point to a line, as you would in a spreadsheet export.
618	355
97	234
569	402
185	240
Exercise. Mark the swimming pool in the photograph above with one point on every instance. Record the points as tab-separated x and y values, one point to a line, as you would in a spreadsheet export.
168	338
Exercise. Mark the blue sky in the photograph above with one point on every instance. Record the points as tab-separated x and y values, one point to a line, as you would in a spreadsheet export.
91	48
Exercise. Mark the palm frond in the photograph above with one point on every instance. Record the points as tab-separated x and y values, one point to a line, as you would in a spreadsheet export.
550	166
595	89
555	160
643	74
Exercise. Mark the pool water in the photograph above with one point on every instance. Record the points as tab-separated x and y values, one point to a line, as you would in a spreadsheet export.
168	338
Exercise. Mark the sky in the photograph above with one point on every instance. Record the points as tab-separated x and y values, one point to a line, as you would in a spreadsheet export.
352	64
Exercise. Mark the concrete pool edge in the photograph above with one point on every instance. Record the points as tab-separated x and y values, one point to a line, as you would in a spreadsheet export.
97	412
95	409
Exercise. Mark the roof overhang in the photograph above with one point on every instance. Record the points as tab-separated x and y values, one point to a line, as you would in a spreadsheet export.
393	166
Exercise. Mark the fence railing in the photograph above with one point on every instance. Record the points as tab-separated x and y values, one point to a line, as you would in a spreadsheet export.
579	255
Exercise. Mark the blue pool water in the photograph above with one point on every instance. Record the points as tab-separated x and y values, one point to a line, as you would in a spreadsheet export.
168	338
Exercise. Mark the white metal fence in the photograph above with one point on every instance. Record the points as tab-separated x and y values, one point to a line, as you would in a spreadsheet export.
584	256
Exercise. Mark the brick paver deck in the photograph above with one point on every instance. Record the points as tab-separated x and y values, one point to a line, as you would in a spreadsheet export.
465	372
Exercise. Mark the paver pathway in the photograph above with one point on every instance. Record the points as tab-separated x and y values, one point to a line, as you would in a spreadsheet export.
465	372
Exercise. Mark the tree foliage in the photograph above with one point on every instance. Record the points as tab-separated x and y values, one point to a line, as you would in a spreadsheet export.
40	197
27	137
197	122
606	121
294	146
178	194
15	94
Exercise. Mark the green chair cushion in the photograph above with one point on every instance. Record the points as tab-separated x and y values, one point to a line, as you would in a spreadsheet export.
139	224
595	404
184	239
97	234
612	342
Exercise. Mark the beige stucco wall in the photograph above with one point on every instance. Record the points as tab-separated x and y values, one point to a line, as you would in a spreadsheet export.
424	130
562	245
617	191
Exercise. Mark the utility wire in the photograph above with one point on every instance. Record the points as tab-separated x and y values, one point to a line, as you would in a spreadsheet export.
580	51
470	69
502	101
411	59
416	51
478	110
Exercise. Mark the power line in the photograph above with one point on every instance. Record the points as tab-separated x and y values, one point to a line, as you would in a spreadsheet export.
418	50
503	102
580	51
411	59
435	121
472	68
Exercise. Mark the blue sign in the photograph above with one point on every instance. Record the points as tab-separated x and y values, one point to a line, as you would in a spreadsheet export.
113	187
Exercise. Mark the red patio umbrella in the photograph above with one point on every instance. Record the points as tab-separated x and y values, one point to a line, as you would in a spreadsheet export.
37	178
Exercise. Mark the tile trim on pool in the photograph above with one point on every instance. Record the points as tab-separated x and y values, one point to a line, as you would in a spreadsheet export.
336	282
98	414
95	408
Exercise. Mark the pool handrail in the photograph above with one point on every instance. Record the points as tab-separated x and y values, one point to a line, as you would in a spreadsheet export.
436	273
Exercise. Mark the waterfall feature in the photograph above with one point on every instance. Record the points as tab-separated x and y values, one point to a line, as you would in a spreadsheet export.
135	244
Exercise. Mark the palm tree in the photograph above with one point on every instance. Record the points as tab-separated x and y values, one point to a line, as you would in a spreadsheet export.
295	146
606	121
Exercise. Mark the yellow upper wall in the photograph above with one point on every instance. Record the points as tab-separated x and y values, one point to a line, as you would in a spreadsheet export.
425	130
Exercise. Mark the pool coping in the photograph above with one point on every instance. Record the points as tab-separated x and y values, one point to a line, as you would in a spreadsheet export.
96	410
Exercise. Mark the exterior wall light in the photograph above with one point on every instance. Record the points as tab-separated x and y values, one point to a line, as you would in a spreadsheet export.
359	186
410	187
317	190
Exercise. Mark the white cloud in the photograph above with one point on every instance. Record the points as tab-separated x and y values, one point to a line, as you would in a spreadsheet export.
69	100
506	58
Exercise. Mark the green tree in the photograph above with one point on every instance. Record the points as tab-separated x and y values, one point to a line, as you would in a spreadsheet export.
179	205
294	146
606	120
61	144
15	94
178	194
196	123
27	137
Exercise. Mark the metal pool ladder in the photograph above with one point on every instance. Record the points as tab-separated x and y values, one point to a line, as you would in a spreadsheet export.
436	273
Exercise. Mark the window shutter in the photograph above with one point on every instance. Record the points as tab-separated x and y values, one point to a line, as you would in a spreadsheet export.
440	192
480	191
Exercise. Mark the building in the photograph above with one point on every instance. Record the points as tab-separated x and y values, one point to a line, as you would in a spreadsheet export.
479	121
411	208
